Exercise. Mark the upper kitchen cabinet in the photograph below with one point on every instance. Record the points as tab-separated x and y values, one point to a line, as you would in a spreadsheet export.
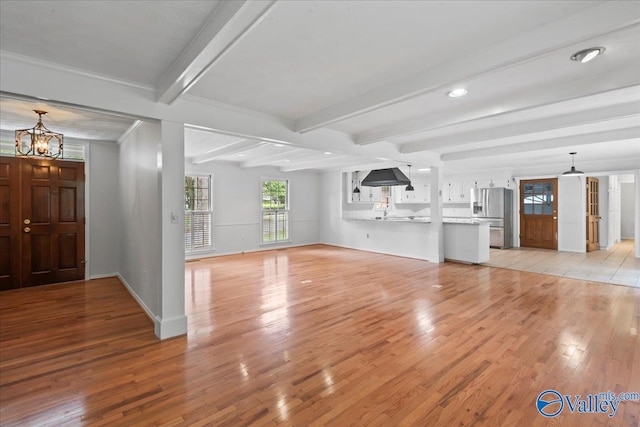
420	194
458	192
356	193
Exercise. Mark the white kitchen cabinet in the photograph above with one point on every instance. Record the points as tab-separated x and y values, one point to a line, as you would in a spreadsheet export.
458	192
420	194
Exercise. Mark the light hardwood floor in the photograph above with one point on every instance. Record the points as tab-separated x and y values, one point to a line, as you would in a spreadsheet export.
320	335
617	266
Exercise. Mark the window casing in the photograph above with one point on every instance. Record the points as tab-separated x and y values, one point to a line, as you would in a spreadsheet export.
198	215
275	210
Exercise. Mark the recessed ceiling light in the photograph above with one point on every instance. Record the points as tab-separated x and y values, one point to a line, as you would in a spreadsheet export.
327	152
278	145
457	92
424	169
587	55
240	155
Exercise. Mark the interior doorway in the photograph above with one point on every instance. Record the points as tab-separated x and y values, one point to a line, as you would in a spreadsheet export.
593	215
539	213
42	222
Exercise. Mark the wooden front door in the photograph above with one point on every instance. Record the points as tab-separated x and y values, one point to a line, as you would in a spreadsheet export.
539	213
593	215
42	223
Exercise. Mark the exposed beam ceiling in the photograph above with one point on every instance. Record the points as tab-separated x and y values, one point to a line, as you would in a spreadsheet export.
226	26
234	148
441	77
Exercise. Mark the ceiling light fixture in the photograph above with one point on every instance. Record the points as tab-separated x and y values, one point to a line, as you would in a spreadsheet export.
573	171
424	169
457	92
41	142
409	187
327	152
587	55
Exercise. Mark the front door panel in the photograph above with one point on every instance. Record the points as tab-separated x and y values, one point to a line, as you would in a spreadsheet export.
539	213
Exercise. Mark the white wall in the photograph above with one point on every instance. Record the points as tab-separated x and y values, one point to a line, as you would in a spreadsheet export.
613	233
572	232
237	206
140	225
627	220
101	168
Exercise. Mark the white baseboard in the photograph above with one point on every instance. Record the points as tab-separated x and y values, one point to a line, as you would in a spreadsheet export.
163	328
268	247
147	310
173	327
103	276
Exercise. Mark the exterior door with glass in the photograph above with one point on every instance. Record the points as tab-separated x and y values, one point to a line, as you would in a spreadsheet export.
539	213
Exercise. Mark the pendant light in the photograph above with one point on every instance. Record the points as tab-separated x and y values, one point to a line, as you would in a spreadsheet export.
356	190
38	140
409	187
573	171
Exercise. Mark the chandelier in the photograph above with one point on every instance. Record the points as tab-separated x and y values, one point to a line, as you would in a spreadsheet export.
38	140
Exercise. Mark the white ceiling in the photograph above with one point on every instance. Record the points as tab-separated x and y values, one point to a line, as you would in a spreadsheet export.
369	78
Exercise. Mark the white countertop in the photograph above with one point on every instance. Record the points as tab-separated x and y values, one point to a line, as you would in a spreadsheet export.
415	220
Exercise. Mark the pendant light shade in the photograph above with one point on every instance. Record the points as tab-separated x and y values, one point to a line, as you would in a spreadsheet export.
409	187
356	190
573	171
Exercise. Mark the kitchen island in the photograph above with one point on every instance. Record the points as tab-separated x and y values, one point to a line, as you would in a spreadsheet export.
466	241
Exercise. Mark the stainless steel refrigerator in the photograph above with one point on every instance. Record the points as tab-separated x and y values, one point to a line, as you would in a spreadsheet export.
495	206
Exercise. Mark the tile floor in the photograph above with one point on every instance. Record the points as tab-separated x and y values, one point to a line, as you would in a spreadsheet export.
617	265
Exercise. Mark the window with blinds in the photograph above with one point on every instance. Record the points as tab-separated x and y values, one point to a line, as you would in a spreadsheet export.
198	214
275	211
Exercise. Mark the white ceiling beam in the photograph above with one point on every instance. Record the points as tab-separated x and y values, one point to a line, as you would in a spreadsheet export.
596	21
229	22
613	116
234	148
624	88
320	163
265	160
37	80
569	141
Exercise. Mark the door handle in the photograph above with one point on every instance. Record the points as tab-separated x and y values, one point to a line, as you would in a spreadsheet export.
27	221
27	229
555	217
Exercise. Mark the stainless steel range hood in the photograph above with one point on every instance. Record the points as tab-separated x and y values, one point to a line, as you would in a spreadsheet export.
384	177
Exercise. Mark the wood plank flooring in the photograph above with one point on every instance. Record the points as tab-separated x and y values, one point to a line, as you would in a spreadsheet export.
320	335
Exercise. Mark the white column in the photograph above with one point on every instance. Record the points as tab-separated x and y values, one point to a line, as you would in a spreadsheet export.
636	185
436	212
173	321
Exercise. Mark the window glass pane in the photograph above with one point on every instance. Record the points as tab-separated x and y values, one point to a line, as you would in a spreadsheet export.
537	188
528	209
528	188
537	209
547	209
198	213
275	216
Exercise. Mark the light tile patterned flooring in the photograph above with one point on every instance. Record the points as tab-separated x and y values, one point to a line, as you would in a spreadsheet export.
617	265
